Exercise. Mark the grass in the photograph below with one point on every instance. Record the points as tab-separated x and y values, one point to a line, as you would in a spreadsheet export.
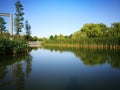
104	43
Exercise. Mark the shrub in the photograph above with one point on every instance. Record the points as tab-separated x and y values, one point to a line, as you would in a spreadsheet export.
13	46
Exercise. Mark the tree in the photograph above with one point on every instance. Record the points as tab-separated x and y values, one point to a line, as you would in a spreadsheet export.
2	25
60	37
115	29
51	37
28	30
34	38
56	36
78	35
94	30
18	21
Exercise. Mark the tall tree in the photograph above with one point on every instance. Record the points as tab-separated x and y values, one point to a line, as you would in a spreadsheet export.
51	37
18	21
2	25
115	29
28	30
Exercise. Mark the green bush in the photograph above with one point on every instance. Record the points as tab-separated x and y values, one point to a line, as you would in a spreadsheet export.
13	46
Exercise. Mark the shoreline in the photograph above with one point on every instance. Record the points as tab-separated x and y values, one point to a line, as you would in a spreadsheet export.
85	46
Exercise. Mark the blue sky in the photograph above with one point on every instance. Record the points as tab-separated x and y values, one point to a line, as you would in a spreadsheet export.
50	17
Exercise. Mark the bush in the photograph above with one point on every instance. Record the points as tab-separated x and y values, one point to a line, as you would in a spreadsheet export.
13	46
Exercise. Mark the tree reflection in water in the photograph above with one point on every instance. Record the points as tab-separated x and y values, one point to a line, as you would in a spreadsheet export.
92	56
14	70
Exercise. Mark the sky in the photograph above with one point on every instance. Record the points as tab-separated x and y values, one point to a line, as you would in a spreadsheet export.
50	17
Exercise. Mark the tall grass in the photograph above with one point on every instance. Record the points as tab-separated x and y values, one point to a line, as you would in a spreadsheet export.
110	43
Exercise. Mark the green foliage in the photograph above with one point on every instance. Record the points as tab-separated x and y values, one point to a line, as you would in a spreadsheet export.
78	35
5	35
13	46
43	39
56	36
18	21
51	37
2	25
60	37
94	30
27	36
35	38
114	31
91	35
27	28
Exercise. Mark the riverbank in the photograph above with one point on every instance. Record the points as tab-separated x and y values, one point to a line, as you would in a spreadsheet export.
35	44
8	46
85	46
101	43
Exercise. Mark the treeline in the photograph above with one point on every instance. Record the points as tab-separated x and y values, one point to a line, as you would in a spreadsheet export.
90	35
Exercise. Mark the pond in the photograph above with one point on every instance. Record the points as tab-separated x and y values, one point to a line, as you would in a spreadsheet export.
61	69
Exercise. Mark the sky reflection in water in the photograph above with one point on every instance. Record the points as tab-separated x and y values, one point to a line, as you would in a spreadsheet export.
61	69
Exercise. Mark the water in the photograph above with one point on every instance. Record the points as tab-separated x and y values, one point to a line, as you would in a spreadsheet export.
61	69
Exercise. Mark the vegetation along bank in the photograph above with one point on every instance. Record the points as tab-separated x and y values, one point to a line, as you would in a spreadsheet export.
89	36
8	46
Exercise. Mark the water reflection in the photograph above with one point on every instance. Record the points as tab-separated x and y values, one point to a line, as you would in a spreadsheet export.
55	68
14	70
92	57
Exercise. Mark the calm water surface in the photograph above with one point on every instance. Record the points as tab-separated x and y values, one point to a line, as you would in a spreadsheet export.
61	69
